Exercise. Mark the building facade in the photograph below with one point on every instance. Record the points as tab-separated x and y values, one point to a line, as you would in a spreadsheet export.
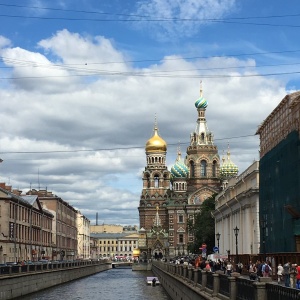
280	177
64	239
114	245
83	237
25	227
171	198
237	206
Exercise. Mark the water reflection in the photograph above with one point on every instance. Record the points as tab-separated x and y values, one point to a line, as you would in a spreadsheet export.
115	284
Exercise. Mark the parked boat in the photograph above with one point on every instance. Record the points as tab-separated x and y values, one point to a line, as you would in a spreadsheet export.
153	281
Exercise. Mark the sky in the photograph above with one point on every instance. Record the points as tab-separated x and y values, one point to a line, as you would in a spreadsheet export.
81	82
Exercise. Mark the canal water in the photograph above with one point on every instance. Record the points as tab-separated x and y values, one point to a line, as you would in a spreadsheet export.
114	284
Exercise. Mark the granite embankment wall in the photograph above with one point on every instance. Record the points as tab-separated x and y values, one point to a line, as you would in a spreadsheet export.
177	287
17	285
188	283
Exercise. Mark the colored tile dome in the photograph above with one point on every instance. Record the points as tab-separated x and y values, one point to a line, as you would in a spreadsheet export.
156	143
179	169
228	168
201	103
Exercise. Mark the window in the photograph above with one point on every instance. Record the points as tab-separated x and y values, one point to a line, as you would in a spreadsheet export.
156	181
180	219
192	169
181	238
214	169
203	168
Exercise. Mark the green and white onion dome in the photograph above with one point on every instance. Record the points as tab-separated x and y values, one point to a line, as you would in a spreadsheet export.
179	169
201	103
228	168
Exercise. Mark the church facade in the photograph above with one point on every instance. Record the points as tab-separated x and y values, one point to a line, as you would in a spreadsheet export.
171	198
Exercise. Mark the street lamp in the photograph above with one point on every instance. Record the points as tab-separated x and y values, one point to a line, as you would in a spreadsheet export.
236	232
218	239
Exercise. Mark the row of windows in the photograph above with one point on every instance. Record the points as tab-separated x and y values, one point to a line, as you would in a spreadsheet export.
203	168
118	242
27	234
115	249
68	230
25	214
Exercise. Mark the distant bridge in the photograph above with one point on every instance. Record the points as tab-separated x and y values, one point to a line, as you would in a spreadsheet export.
121	264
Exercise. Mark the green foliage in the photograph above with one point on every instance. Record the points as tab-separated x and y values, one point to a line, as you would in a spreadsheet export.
204	226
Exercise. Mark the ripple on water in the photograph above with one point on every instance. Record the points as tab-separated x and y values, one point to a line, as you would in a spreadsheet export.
114	284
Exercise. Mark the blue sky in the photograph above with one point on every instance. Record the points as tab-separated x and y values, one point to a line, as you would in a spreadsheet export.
86	78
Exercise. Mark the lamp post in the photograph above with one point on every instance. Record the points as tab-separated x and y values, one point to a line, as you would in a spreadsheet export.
218	239
236	232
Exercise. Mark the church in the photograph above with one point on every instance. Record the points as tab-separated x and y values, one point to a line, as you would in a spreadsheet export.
170	198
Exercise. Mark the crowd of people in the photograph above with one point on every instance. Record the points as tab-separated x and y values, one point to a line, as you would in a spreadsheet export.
209	265
288	274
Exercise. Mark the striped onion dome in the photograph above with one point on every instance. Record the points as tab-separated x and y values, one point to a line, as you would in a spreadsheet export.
179	169
228	168
201	103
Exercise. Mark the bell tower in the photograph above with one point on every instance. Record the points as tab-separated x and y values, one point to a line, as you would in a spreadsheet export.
202	159
156	183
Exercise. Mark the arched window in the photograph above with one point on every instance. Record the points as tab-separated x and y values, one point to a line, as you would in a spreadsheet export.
192	169
148	181
156	181
202	137
214	169
203	168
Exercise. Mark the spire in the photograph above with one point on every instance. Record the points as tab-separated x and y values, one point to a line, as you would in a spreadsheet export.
157	221
201	90
178	153
201	135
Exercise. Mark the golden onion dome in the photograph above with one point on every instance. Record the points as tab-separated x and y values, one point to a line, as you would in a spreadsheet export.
156	143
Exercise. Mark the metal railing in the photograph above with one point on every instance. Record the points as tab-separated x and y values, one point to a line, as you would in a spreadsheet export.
278	292
21	269
235	286
245	289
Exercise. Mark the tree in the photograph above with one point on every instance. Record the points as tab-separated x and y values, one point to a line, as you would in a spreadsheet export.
204	224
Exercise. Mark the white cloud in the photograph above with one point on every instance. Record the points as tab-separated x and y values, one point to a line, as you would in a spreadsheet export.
4	42
117	112
184	15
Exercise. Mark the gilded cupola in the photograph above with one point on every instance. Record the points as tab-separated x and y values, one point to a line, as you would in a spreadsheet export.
156	143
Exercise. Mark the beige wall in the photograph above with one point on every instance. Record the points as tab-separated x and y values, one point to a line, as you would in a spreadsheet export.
109	228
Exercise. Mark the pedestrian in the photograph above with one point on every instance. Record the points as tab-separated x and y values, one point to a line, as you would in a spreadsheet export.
266	269
293	274
286	272
229	268
279	273
259	268
252	271
298	278
240	267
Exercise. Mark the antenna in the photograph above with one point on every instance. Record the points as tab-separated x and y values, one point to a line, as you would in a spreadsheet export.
96	218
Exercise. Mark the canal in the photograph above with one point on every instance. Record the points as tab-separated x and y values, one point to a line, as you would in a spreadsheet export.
114	284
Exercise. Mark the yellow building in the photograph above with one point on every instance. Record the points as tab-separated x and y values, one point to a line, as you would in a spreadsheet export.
114	245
